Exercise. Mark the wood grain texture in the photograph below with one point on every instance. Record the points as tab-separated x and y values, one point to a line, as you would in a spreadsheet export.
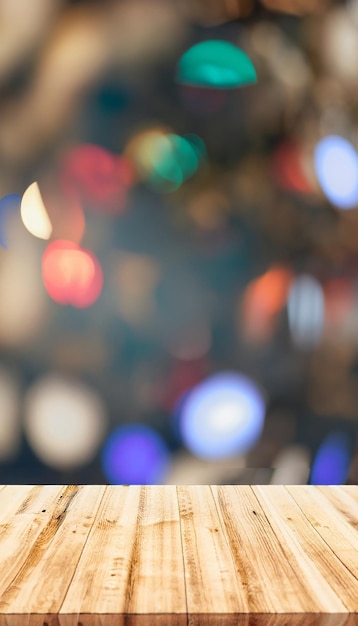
186	555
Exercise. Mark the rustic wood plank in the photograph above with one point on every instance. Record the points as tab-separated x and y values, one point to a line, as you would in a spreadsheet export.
349	490
41	582
212	584
24	514
155	583
11	499
111	540
330	523
167	555
332	585
138	566
276	577
343	500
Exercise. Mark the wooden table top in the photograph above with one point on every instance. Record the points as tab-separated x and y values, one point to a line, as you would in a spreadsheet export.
169	555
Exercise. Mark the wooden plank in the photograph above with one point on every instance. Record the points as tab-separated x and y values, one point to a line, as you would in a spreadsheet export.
162	555
277	579
25	513
132	561
332	586
349	490
41	582
156	578
332	524
342	498
11	499
212	584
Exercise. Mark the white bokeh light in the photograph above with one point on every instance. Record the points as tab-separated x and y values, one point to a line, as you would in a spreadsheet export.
222	416
336	164
306	311
64	421
34	214
292	466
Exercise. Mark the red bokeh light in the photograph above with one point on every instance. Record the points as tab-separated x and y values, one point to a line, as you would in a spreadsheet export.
71	274
99	178
288	168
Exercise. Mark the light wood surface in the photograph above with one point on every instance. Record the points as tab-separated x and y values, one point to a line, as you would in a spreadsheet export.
231	555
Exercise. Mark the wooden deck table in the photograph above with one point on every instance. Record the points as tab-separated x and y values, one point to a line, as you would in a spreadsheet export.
96	555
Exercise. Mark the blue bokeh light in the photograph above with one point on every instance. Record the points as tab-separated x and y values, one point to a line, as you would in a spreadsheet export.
331	463
135	454
336	164
8	204
222	416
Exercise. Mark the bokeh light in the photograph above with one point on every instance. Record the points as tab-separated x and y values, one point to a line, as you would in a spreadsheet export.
135	454
332	460
140	147
71	274
306	311
340	43
292	466
263	298
336	163
194	225
101	179
64	421
8	205
165	160
289	169
174	160
269	291
222	416
216	63
33	213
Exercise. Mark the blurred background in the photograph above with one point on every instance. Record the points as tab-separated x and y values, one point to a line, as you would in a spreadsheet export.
179	241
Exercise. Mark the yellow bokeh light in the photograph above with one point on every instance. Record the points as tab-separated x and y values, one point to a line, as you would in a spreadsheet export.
142	147
33	213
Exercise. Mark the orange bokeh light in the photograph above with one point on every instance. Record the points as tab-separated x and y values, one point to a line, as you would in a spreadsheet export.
263	299
71	274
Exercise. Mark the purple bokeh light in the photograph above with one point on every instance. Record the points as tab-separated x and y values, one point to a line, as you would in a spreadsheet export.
135	454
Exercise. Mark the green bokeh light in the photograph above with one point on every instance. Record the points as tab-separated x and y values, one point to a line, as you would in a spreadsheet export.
217	64
174	160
